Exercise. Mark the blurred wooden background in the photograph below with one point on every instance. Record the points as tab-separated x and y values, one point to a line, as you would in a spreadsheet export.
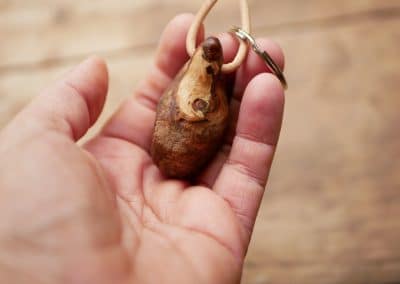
332	210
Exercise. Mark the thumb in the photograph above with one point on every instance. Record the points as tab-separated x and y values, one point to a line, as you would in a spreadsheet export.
71	105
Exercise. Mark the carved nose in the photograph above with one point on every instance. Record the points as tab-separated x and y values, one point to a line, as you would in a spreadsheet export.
212	49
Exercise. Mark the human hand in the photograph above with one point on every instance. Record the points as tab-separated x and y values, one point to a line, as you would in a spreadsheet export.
103	213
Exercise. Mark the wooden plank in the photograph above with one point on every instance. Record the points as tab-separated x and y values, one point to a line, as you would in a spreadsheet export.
331	212
42	31
17	88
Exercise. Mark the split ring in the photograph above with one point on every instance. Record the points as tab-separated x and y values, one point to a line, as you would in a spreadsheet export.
245	36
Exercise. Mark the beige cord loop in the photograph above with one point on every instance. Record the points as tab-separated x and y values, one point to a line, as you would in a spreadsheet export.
202	14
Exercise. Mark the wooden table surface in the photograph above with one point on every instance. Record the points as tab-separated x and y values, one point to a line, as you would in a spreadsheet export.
332	210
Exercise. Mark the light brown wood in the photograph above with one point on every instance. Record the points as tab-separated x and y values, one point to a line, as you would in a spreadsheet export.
331	212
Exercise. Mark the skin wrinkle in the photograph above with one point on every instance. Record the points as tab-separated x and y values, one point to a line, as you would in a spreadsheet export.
246	170
94	103
129	252
244	236
257	140
143	169
46	121
142	200
160	64
247	222
147	97
238	257
80	96
133	199
146	100
132	258
160	68
136	229
221	242
154	211
120	199
162	82
110	154
239	210
100	175
215	237
133	212
192	230
156	87
172	244
109	132
113	156
60	124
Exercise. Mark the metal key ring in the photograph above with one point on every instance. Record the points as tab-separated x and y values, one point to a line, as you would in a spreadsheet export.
243	35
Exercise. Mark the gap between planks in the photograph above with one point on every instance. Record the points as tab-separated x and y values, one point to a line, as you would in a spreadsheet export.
279	29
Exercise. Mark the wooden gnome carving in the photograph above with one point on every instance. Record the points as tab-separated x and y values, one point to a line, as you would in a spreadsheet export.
192	115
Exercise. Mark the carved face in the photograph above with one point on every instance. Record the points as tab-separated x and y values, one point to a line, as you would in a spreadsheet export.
197	87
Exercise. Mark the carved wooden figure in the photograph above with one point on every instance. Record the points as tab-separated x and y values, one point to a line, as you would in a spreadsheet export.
192	115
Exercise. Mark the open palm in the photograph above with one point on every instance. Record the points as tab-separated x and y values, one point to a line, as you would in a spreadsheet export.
117	219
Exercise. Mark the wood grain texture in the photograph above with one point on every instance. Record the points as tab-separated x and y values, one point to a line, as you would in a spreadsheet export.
45	30
330	214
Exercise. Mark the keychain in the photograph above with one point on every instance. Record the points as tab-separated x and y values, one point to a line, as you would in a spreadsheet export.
193	113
